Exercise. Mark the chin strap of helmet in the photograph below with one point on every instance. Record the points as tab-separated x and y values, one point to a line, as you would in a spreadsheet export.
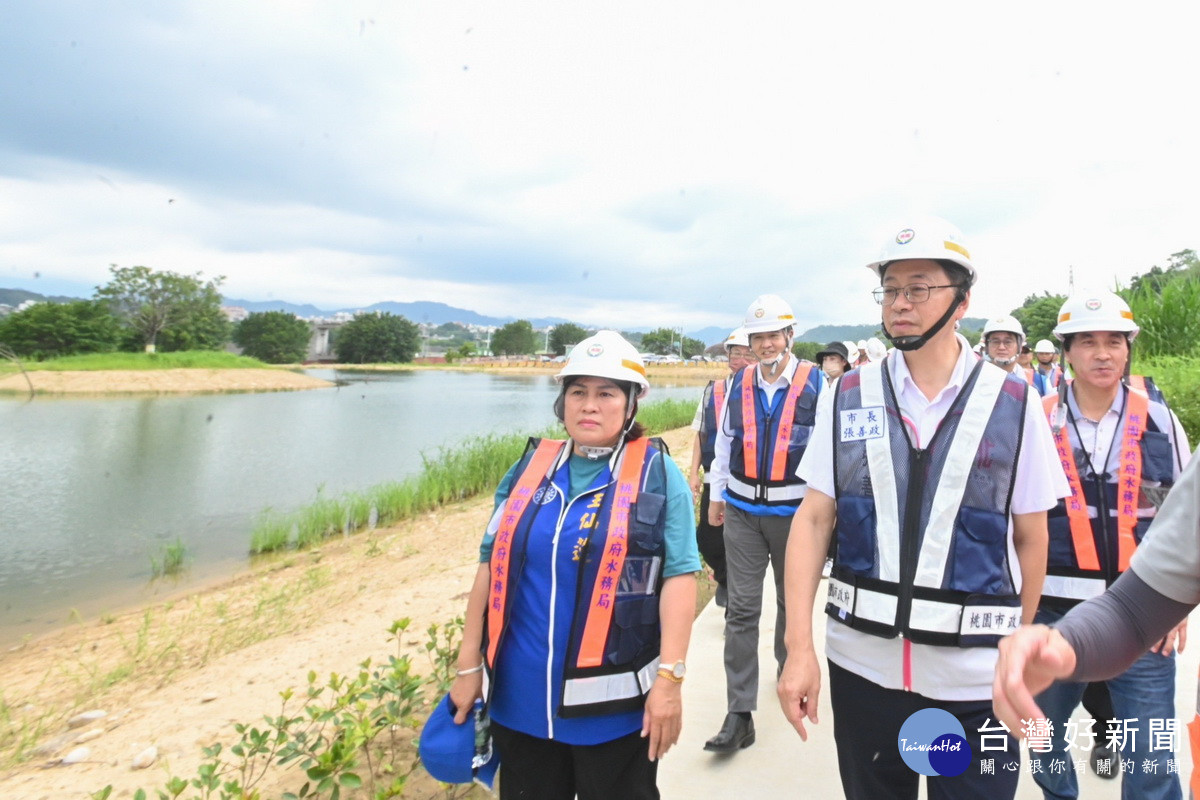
907	343
595	453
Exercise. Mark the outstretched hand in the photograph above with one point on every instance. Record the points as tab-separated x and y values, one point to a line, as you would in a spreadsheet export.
1030	660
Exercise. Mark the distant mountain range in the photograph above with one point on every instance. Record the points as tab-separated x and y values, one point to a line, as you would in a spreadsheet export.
439	313
14	297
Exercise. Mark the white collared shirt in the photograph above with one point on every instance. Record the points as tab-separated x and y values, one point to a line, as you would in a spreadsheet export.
1096	437
942	673
720	464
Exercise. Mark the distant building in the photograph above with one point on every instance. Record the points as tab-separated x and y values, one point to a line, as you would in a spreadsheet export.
234	313
5	310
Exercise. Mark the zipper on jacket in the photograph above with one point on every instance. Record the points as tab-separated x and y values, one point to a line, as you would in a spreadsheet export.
910	546
553	596
1104	517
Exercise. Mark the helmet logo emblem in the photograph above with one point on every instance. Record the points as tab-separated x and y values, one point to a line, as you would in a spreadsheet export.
595	350
905	236
1092	305
758	313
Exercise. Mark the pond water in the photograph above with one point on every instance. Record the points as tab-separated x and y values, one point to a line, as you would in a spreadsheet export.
93	489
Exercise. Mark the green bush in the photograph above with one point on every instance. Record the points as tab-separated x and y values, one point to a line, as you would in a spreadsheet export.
1179	379
276	337
50	330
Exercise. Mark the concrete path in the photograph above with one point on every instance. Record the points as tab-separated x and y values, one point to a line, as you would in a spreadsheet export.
779	764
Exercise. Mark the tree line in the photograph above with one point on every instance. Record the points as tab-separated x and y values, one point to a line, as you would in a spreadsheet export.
141	309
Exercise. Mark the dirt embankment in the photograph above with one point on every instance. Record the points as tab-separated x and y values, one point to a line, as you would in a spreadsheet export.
178	675
159	381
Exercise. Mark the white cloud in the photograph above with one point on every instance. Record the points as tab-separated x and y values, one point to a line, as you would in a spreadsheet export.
642	164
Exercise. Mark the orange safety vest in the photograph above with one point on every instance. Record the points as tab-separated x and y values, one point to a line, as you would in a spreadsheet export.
1130	472
786	421
599	616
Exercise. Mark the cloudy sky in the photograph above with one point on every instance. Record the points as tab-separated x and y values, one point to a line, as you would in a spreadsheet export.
621	163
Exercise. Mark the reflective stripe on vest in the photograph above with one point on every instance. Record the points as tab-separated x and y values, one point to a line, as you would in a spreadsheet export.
972	617
535	472
1129	481
607	688
786	421
1077	513
719	398
599	616
1073	587
939	531
965	618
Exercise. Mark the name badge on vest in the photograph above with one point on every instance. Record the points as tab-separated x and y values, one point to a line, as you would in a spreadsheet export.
860	424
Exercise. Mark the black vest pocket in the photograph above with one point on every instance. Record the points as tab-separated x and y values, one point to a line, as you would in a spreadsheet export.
979	557
1158	462
857	535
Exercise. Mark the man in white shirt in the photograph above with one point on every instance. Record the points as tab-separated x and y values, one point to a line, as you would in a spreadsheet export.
937	470
765	427
1121	450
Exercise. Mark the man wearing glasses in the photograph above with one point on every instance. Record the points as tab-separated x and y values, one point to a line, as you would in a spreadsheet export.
1003	339
934	470
711	538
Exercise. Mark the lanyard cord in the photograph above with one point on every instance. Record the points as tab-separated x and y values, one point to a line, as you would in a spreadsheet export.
1116	435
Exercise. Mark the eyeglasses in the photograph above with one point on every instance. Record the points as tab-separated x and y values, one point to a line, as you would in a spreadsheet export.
913	293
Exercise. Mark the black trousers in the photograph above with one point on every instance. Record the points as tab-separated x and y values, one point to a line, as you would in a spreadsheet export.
543	769
866	726
711	540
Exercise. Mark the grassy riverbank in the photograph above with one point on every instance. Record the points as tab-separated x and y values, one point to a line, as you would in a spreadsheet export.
448	475
183	359
210	667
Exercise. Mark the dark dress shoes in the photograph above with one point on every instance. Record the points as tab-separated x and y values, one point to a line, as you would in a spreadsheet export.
1106	762
736	733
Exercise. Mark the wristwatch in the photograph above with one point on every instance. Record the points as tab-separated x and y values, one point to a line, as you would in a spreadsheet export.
674	672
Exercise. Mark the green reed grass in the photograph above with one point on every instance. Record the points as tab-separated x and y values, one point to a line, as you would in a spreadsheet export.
183	359
1179	379
1170	320
449	474
169	560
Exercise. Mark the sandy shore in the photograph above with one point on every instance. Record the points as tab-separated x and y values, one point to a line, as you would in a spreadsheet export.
160	381
179	674
170	381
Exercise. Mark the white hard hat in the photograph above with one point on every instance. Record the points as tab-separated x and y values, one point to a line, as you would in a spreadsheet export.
1044	346
1008	324
739	338
1095	311
852	349
862	346
876	349
928	237
605	354
768	312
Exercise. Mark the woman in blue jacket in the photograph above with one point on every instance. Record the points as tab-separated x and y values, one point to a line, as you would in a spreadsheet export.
582	606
